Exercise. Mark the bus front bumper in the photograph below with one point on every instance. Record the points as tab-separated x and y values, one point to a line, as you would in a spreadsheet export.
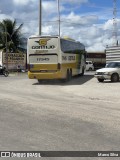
46	75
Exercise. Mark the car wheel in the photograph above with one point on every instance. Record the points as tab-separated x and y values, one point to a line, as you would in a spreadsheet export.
100	80
115	77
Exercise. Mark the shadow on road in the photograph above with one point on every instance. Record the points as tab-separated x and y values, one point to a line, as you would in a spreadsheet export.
76	80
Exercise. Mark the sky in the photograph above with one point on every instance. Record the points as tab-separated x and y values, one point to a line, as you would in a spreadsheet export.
87	21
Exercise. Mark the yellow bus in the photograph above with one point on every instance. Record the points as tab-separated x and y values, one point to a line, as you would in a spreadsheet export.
52	57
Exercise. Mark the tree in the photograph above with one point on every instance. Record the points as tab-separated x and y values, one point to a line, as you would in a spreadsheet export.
10	33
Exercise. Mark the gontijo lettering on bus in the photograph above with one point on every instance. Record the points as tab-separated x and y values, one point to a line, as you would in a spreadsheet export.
43	44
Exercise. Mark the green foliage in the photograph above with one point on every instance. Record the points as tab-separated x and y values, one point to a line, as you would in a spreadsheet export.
10	34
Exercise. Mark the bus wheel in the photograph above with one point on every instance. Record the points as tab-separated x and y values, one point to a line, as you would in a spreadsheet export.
68	76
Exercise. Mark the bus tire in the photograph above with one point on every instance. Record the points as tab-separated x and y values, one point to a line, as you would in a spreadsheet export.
68	76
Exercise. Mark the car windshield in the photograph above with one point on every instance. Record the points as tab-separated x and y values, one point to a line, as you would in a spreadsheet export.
113	65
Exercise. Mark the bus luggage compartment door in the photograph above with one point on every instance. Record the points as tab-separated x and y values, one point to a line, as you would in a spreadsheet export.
43	62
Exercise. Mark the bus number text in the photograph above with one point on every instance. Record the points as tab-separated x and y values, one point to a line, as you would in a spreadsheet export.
70	58
43	59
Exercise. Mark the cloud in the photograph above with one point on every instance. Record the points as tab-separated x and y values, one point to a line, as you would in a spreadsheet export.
108	25
6	7
22	2
80	20
4	16
75	1
93	28
49	9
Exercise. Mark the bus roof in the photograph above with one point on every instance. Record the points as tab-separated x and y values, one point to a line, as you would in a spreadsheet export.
44	36
54	36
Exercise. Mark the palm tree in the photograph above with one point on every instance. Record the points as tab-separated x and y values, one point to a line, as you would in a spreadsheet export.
11	34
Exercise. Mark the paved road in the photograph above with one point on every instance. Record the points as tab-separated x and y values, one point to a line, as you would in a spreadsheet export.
80	115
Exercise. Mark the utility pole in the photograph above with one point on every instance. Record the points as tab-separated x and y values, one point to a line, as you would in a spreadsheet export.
115	42
40	17
58	4
6	47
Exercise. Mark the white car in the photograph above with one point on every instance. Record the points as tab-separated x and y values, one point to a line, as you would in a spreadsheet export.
89	66
110	72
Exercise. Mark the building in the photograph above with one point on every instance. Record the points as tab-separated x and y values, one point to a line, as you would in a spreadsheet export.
112	53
